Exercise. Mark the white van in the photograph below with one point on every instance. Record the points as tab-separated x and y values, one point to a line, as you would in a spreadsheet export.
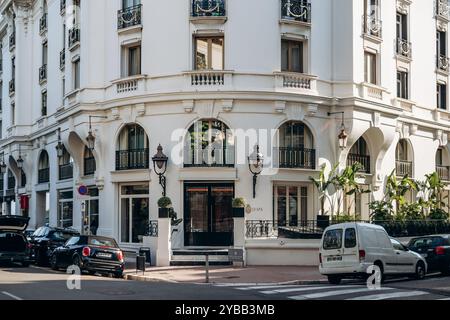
348	249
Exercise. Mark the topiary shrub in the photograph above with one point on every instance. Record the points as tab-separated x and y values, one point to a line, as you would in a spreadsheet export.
164	202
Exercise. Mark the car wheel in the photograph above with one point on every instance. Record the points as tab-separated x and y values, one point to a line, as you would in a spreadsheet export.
334	280
77	262
420	270
382	276
54	262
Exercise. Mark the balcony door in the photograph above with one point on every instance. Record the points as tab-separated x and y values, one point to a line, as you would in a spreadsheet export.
208	216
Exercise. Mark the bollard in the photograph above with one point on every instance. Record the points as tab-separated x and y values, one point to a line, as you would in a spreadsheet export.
207	267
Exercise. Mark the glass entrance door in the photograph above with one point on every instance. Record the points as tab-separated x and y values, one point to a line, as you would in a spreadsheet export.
208	214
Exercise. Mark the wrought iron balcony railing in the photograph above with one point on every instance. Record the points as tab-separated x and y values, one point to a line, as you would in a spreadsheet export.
129	17
132	159
443	172
296	158
43	23
212	157
12	86
403	168
152	229
65	171
44	175
297	10
89	166
404	48
62	59
208	8
43	73
443	63
74	36
12	40
363	160
373	26
62	6
442	9
11	183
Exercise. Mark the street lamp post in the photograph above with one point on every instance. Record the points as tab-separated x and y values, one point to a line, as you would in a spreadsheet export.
255	165
160	166
343	136
19	160
91	138
59	146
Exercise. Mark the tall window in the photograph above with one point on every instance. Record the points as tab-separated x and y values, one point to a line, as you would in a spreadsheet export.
65	166
402	26
134	212
13	68
76	74
441	43
44	53
130	3
132	148
441	96
370	67
65	209
402	85
131	60
291	205
44	103
89	162
13	114
209	53
292	56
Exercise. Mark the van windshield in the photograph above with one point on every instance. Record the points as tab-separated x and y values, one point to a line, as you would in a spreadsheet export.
332	239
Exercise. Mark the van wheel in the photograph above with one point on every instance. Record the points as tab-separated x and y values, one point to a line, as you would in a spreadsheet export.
380	266
334	280
420	271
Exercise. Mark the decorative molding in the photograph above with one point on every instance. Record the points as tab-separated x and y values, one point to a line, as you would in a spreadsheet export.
188	106
140	109
115	113
312	109
376	119
280	106
227	105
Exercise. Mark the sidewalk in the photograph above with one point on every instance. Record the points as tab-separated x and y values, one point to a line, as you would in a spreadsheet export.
230	274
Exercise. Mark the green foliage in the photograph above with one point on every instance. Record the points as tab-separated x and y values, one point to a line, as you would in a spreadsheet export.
164	202
322	185
381	211
238	203
438	214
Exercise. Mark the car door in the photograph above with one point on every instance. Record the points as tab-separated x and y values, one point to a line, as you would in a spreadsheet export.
350	254
65	252
332	248
405	260
386	252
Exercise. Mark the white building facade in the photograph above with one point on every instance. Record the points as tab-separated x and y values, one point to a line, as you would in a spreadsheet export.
208	80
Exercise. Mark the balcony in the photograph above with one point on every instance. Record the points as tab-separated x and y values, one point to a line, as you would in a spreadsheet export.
129	17
210	157
44	175
43	23
296	10
404	48
403	168
43	74
208	78
62	59
11	183
208	11
65	171
12	87
132	159
443	63
443	172
89	166
296	158
74	37
295	80
373	26
363	160
12	41
442	10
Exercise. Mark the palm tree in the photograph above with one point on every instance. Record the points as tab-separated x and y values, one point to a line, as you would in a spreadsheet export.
322	184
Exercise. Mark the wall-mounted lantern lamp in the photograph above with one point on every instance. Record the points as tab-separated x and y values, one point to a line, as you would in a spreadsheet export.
343	136
255	165
160	165
91	138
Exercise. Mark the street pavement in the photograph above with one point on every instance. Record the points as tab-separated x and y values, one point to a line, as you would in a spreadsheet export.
35	283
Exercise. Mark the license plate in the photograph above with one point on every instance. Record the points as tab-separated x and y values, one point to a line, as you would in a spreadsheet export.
334	258
104	255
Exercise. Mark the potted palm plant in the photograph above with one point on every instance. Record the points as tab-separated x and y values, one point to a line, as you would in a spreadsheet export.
238	207
164	205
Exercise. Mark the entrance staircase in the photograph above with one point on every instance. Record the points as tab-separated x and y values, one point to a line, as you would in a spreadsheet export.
197	257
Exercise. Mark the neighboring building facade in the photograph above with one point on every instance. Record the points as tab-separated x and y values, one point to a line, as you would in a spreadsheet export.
146	73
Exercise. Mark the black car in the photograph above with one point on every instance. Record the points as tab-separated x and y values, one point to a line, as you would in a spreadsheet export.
90	253
46	239
436	251
14	246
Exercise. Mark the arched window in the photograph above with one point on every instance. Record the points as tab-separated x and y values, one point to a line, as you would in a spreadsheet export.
296	146
65	166
360	153
403	159
209	143
43	168
89	162
442	164
11	181
132	148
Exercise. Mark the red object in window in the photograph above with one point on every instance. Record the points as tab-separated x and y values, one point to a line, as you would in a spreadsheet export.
24	202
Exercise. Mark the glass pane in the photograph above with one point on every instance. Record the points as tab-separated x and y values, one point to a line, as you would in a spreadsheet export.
125	220
222	198
217	54
198	205
93	216
66	216
293	206
140	216
297	57
281	205
137	189
284	56
201	56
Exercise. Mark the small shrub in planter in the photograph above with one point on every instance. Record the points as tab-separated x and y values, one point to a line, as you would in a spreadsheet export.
238	205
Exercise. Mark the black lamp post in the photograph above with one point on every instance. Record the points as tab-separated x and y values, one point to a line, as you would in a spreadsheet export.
59	146
160	165
343	136
91	138
19	160
255	165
